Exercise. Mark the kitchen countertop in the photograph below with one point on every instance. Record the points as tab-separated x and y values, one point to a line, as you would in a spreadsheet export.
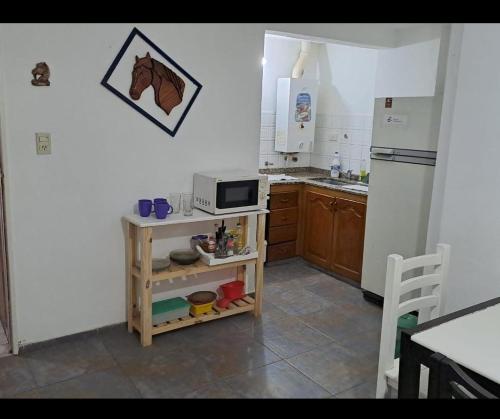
305	177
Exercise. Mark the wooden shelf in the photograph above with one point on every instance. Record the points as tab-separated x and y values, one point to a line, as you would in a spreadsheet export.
236	307
178	271
139	282
198	216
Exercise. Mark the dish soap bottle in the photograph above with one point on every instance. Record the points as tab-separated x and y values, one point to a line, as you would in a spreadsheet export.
335	165
362	171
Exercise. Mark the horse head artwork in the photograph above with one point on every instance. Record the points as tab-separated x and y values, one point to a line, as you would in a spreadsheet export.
168	86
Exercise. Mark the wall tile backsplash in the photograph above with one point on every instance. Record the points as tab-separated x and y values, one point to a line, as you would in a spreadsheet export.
267	153
349	134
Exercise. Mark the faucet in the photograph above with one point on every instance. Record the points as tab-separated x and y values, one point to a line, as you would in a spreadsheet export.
347	174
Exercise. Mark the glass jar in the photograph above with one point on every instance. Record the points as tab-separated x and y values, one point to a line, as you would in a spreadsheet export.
199	240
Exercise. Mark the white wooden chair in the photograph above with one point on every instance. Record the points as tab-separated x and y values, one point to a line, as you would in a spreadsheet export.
429	303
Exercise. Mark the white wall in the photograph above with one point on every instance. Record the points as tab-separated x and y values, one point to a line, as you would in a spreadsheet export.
346	77
469	218
345	106
447	85
65	236
65	232
408	71
281	54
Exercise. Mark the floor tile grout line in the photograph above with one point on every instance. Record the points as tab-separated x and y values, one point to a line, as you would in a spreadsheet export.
120	367
30	370
312	379
284	358
249	334
351	388
218	378
308	377
40	386
230	376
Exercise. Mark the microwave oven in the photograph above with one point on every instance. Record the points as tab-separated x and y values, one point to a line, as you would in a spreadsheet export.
223	192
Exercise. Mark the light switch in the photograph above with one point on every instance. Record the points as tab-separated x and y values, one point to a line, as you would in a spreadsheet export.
43	145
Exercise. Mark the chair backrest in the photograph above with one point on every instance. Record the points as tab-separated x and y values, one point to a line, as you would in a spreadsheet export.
429	303
448	381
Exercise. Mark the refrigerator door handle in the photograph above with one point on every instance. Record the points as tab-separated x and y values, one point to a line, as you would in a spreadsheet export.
382	154
383	151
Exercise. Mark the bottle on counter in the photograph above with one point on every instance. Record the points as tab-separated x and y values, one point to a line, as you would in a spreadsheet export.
211	245
335	165
230	246
237	235
362	171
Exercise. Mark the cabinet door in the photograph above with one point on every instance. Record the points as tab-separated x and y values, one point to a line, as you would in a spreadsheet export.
318	227
348	238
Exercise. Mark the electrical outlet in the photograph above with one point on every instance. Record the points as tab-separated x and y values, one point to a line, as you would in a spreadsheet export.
43	143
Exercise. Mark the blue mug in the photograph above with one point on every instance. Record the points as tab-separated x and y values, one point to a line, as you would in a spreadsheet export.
145	207
162	209
159	200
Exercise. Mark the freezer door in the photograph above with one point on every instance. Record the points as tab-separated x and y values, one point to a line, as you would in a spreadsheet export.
397	217
418	126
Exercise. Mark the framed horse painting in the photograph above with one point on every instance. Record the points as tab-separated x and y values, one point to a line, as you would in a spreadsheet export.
151	82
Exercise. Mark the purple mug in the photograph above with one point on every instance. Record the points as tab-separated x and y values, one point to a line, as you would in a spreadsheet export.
158	201
162	209
145	207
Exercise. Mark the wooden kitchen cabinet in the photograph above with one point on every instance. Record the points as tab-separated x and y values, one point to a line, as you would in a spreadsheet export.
348	238
283	233
333	230
283	217
318	228
324	226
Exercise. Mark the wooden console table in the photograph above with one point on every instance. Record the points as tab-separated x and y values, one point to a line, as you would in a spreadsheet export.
140	231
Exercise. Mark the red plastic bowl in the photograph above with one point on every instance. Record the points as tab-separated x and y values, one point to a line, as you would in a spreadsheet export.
233	289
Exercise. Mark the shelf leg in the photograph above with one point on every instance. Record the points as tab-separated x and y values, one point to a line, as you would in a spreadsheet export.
131	289
146	286
241	270
259	266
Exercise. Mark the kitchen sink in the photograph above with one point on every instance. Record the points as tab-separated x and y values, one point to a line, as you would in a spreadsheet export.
358	186
330	181
363	188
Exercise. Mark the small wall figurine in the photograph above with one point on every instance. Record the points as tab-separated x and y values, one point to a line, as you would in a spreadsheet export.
41	74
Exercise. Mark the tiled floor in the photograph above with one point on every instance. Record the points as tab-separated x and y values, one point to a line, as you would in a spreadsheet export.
317	338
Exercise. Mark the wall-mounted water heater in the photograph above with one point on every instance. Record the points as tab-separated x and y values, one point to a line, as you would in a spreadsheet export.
295	115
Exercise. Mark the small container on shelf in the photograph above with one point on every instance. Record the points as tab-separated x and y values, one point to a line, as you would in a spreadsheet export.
237	234
171	309
211	260
199	239
201	302
211	245
232	291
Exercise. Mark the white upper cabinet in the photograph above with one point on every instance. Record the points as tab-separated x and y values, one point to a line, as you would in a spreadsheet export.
408	71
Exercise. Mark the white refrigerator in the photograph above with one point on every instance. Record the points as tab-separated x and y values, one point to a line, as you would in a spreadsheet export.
403	153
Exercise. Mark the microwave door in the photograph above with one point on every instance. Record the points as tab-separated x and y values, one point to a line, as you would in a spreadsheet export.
235	194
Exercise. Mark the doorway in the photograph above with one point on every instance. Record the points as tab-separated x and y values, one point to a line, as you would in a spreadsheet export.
5	328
